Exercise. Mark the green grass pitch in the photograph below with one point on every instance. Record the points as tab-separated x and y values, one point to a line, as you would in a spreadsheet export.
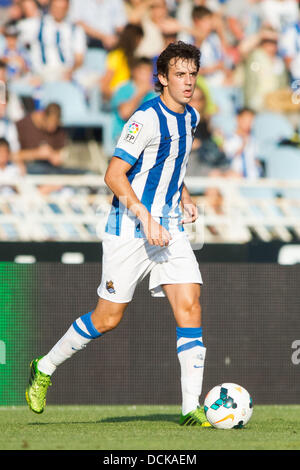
142	428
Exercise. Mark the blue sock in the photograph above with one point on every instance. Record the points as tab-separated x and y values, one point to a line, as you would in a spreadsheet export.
84	326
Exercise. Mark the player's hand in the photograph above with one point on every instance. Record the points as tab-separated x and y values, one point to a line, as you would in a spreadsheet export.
155	233
190	212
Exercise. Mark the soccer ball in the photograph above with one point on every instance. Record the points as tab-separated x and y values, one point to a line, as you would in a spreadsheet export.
228	406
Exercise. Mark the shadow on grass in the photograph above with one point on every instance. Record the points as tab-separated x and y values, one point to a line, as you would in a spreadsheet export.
171	418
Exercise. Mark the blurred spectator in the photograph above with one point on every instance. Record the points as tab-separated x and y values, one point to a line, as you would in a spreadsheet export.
132	94
119	60
42	140
5	11
243	18
290	49
241	161
9	11
207	153
13	55
279	13
184	14
30	9
265	73
102	20
206	37
156	22
135	10
8	169
167	38
210	105
57	47
43	5
8	129
241	148
14	107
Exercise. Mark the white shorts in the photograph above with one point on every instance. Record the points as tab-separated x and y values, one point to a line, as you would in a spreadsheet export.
126	262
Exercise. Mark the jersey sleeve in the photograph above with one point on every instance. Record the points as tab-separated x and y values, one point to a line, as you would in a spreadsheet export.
136	135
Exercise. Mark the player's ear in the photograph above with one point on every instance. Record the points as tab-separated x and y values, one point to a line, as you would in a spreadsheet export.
163	79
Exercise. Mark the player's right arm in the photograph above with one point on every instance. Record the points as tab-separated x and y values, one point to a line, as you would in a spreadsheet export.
116	179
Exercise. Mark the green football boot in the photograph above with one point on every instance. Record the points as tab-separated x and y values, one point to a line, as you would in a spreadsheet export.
195	418
37	388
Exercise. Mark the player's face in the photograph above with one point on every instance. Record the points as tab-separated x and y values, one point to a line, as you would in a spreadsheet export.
180	83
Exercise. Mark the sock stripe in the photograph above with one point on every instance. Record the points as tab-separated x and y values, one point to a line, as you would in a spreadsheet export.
188	332
190	345
87	321
80	331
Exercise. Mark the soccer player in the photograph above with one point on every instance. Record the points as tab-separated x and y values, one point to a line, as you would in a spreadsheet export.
145	234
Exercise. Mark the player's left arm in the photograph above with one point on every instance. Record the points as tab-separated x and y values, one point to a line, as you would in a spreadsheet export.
190	210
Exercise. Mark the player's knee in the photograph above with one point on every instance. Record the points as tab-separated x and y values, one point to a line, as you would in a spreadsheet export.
190	314
106	321
110	321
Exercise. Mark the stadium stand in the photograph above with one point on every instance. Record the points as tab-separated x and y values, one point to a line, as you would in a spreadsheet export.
77	207
265	208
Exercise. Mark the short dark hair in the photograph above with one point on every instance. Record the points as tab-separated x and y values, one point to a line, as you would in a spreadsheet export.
4	143
245	109
175	50
53	108
137	61
199	12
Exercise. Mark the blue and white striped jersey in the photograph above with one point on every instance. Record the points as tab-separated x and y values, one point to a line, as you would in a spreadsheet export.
156	142
51	43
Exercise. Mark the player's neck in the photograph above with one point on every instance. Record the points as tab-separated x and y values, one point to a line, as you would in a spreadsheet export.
173	105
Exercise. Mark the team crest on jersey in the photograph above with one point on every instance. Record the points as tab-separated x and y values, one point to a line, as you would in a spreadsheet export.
133	131
110	287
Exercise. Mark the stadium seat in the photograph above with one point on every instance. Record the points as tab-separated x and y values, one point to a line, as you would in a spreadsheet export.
21	88
268	130
227	99
225	123
257	192
75	111
95	60
68	96
284	163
